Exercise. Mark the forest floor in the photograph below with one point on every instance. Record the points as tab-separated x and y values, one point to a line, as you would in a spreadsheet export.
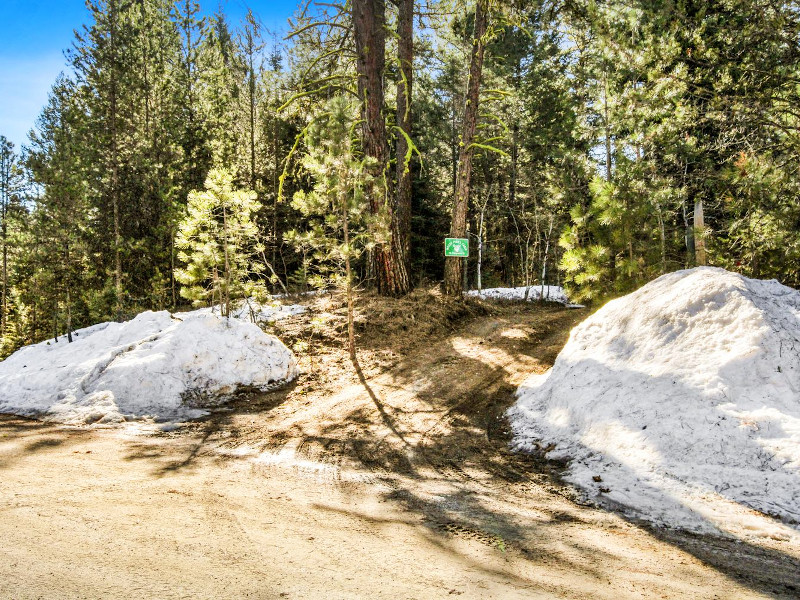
394	484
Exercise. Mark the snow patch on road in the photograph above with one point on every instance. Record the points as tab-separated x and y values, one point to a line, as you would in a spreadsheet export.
156	366
680	403
288	458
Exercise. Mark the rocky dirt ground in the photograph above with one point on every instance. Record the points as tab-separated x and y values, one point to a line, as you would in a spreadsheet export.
392	483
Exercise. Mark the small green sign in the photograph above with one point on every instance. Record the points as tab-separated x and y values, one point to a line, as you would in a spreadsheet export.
456	247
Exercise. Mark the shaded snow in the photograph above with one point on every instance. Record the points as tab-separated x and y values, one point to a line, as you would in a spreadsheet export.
681	403
156	365
251	311
551	293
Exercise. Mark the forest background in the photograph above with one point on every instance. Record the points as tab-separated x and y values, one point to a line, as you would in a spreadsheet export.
594	145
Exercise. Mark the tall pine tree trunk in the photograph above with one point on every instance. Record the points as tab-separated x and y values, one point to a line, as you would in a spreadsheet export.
5	196
481	236
275	183
226	300
5	278
369	22
251	86
405	54
453	146
172	266
607	126
113	114
68	298
663	238
145	63
512	177
454	266
250	49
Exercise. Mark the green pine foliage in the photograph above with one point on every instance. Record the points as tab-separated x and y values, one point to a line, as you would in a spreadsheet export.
609	248
218	245
336	205
340	227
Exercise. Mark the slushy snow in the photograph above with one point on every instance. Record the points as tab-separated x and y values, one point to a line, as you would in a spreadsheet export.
680	403
158	366
551	293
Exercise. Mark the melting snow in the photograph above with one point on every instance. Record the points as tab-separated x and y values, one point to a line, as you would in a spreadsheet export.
155	366
251	311
551	293
681	403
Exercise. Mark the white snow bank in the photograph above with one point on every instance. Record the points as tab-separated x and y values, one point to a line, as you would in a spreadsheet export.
551	293
252	311
680	402
156	365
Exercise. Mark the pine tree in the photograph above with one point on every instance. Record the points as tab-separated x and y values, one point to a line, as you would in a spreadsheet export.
341	227
9	181
219	93
194	136
369	31
60	219
218	242
251	45
404	119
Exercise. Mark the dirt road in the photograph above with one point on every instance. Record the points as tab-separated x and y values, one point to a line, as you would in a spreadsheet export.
397	486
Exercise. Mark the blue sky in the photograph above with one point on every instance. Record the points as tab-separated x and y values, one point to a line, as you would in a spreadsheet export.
34	34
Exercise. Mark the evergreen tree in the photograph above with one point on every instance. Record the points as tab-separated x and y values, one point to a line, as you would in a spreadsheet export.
60	219
341	227
9	184
218	242
645	137
369	31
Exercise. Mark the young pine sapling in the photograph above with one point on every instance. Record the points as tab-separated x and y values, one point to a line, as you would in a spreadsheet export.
340	227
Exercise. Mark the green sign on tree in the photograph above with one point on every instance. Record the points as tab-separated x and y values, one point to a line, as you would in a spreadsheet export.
456	247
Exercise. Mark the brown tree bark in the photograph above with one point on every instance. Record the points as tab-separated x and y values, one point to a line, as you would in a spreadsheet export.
115	161
351	336
607	126
453	266
405	55
251	88
369	21
5	200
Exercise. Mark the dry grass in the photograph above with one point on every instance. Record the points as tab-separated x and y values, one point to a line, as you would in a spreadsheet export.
386	328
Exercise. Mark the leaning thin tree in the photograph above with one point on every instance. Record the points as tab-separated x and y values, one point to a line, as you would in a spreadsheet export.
339	228
454	266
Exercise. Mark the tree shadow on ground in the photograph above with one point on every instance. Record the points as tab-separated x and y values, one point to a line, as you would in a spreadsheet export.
202	435
17	431
445	534
464	459
449	461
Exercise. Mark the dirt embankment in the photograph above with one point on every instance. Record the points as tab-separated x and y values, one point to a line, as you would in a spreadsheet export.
397	485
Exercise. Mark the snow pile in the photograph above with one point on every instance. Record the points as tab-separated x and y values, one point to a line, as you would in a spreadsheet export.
551	293
156	365
252	311
681	403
